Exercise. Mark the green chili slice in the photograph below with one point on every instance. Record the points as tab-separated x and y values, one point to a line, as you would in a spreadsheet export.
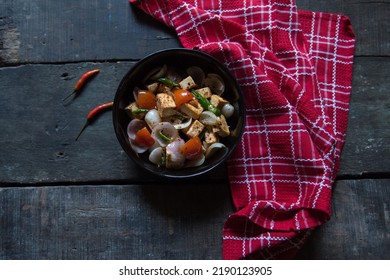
140	111
164	137
168	82
163	159
179	117
205	103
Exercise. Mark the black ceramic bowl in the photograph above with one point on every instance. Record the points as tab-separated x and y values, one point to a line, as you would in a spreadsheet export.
181	58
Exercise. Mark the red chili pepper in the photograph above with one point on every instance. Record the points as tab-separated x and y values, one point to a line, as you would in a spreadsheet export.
82	81
93	113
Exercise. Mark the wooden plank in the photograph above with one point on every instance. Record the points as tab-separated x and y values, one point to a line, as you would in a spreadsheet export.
360	225
367	146
172	221
78	30
82	30
38	131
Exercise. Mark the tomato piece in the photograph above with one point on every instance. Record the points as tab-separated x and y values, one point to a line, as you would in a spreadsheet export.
143	138
146	99
182	96
192	149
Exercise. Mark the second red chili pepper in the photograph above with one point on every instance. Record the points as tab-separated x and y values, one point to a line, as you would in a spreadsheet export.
93	113
82	81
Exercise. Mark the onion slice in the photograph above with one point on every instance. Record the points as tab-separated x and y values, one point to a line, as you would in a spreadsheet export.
209	118
197	74
166	129
183	125
135	93
227	110
156	73
136	148
152	118
196	162
213	148
215	83
156	155
134	126
174	157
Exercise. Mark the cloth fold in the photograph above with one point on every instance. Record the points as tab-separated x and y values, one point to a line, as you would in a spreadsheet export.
295	70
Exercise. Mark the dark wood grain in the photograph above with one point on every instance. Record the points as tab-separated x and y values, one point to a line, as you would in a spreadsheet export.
360	224
82	30
367	146
172	222
167	221
78	30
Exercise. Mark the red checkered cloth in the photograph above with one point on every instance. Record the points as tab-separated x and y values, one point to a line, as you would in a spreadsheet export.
295	70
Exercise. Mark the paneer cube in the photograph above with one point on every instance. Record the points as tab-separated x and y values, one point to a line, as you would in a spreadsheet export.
217	101
191	111
210	138
134	111
187	83
194	130
223	129
205	92
152	87
165	105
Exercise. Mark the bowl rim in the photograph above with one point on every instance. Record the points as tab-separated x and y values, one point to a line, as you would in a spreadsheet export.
169	173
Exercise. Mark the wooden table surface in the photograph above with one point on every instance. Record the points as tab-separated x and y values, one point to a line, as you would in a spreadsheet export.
61	199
